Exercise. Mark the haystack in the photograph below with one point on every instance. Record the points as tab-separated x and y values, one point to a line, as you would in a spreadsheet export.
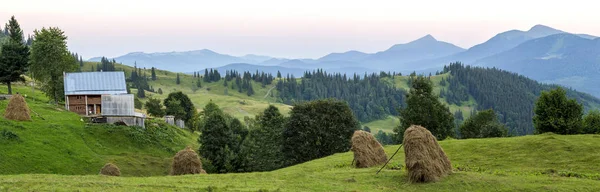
367	151
425	160
110	170
186	162
17	109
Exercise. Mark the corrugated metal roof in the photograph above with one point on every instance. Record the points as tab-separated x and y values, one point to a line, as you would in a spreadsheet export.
90	83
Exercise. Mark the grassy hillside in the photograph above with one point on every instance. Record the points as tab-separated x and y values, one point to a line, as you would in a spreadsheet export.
234	103
64	144
530	163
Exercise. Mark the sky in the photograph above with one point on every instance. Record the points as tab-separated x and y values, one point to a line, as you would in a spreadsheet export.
290	29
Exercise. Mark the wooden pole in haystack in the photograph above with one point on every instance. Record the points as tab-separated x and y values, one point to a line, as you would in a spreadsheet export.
390	158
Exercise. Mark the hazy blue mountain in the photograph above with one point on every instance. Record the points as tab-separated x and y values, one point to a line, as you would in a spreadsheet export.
297	72
565	59
497	44
182	61
423	48
256	58
273	61
345	56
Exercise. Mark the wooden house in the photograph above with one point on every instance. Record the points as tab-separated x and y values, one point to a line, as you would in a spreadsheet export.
101	96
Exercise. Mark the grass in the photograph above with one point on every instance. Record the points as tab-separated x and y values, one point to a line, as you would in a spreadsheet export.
387	125
530	163
64	144
234	103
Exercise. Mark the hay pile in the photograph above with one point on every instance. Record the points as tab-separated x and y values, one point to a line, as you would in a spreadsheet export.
186	162
110	170
17	109
367	151
425	160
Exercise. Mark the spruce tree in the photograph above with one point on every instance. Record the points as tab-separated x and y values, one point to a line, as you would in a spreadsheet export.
13	55
153	74
177	81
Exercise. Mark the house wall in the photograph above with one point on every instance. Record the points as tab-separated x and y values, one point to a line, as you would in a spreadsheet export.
130	121
77	104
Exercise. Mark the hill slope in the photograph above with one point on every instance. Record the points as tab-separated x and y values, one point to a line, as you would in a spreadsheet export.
63	144
531	163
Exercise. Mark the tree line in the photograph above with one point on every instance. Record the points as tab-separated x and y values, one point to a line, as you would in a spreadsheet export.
369	97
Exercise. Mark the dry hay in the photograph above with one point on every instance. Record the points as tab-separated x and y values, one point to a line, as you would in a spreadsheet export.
186	162
17	109
367	151
110	170
425	159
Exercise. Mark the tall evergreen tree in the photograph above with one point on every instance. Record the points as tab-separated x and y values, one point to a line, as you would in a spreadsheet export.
177	81
13	55
153	74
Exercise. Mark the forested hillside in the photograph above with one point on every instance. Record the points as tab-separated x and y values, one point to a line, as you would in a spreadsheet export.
511	95
373	98
369	97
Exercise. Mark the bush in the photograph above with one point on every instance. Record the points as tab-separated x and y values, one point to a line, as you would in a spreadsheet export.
154	107
484	124
317	129
591	122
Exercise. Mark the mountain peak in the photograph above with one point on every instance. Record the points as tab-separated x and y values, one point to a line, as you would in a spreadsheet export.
543	29
427	37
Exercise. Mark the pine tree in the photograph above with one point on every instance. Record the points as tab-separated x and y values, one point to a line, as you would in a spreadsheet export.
14	55
177	81
153	74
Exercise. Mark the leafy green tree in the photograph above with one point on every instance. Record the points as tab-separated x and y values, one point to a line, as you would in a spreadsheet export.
262	147
317	129
591	122
484	124
154	107
160	91
49	59
556	113
384	138
215	143
180	105
13	55
423	108
367	129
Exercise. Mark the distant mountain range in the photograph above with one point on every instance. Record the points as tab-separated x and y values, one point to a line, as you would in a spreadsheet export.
542	53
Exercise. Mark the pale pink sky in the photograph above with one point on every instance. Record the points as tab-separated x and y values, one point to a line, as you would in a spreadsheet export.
293	29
